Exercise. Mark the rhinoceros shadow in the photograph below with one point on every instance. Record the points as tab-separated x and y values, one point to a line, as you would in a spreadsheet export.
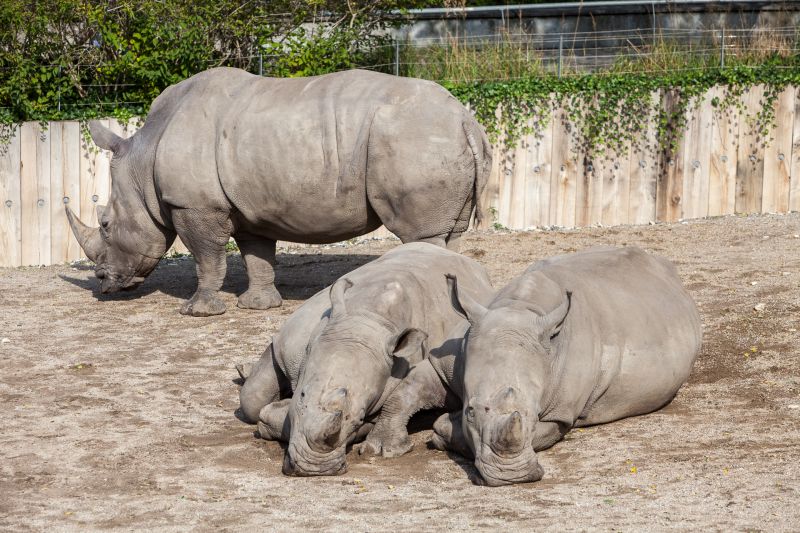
297	276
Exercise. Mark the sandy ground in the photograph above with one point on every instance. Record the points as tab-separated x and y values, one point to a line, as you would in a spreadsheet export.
119	413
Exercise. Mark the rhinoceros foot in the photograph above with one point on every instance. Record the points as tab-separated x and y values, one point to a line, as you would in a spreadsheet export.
260	299
203	304
391	447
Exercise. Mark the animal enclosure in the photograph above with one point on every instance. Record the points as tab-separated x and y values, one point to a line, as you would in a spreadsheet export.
723	164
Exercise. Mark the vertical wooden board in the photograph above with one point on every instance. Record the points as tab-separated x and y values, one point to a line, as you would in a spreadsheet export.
490	197
583	192
506	184
29	132
644	171
697	159
750	156
594	169
565	172
794	185
537	176
621	166
59	232
543	169
722	163
777	155
71	184
669	191
517	205
43	193
10	201
609	188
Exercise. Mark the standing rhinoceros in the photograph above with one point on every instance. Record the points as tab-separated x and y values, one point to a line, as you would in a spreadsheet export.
359	347
578	339
226	153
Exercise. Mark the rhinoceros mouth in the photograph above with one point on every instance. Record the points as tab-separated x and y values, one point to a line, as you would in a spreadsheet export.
497	471
303	462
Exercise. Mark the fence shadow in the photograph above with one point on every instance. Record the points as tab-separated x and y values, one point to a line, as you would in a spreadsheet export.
297	276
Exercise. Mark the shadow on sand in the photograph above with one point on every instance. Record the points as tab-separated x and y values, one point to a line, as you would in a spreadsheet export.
298	276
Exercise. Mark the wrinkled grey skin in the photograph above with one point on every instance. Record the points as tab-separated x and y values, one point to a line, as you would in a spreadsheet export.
384	318
578	339
321	159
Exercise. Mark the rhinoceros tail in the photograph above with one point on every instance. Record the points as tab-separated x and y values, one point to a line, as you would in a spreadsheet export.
482	153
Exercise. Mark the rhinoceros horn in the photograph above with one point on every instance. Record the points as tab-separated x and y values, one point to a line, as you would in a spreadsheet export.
509	438
332	424
89	238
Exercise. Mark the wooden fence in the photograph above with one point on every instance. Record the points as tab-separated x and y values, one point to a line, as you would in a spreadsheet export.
721	166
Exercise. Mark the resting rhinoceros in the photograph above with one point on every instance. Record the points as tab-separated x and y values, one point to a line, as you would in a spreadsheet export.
357	351
578	339
321	159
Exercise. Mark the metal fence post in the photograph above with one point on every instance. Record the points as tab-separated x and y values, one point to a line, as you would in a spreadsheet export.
260	63
396	57
560	52
722	50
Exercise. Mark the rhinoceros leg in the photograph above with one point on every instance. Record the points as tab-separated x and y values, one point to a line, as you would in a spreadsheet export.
273	421
261	387
205	234
448	435
420	389
259	259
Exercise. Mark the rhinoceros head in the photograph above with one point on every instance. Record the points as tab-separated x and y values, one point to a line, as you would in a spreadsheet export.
507	360
344	378
129	243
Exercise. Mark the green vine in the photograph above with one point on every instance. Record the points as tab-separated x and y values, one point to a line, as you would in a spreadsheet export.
612	111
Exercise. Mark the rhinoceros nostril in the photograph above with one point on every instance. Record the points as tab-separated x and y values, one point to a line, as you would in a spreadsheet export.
100	273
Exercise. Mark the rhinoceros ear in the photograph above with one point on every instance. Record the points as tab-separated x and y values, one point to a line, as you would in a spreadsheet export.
463	302
549	325
408	346
104	137
337	297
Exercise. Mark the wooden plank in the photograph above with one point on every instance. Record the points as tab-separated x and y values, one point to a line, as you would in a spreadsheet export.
724	149
567	162
537	175
609	167
777	155
43	193
697	159
583	192
594	170
644	170
71	182
59	231
506	184
10	203
669	190
750	156
518	185
794	186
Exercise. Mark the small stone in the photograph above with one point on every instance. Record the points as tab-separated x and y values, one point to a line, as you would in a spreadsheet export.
784	273
794	406
753	283
5	340
796	236
760	307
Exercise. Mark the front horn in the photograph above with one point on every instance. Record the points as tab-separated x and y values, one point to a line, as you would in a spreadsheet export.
89	238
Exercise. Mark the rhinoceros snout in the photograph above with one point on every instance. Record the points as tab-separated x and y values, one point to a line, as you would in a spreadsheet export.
299	469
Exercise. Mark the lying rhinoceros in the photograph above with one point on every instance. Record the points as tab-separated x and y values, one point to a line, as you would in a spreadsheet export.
343	355
578	339
226	153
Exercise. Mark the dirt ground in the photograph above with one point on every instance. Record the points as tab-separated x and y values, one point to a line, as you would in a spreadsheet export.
119	413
